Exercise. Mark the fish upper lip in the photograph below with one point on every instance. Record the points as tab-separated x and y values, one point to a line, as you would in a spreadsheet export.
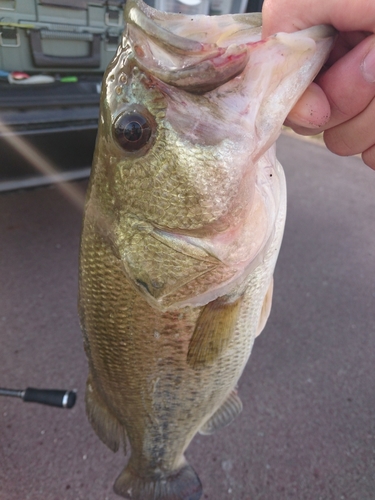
207	69
136	14
209	64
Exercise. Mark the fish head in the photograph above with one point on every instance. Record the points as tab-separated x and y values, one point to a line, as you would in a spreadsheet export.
191	108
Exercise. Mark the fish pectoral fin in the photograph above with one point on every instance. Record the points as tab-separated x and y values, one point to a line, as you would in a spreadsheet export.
266	309
107	427
225	415
214	329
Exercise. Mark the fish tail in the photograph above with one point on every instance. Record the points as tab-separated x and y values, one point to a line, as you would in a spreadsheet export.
183	484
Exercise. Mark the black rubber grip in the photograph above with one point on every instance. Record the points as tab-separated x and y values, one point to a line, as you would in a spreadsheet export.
52	397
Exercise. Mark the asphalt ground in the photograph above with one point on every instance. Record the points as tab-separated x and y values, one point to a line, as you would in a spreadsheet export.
307	431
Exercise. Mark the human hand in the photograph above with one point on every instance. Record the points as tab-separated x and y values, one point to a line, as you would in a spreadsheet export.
341	101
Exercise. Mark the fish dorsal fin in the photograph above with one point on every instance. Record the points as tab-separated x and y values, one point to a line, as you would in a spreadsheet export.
222	417
214	329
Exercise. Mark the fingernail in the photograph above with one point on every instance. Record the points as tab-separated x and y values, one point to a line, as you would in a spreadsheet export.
368	66
312	110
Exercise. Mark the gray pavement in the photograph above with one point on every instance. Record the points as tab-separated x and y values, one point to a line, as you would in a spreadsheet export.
307	431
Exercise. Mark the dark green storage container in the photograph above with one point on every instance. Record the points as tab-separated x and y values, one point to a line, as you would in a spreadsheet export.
64	36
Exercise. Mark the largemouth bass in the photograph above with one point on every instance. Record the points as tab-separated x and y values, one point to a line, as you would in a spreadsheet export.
183	223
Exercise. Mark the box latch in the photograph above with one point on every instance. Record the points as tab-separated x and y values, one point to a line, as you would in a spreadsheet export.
113	16
9	36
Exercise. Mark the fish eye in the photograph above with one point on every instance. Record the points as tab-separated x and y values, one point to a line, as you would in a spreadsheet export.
132	131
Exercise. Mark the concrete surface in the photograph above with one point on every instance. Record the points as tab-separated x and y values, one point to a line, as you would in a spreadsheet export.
307	431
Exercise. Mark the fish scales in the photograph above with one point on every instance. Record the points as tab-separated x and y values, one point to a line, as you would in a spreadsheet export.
183	222
118	362
166	371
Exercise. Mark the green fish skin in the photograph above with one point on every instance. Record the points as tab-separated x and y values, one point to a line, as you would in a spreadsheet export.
183	223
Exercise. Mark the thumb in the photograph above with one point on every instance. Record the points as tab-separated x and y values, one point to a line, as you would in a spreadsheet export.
293	15
312	111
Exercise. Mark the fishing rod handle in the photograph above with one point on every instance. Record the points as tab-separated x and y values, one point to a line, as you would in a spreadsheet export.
52	397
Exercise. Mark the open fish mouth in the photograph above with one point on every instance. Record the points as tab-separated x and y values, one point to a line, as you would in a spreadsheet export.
201	55
195	58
